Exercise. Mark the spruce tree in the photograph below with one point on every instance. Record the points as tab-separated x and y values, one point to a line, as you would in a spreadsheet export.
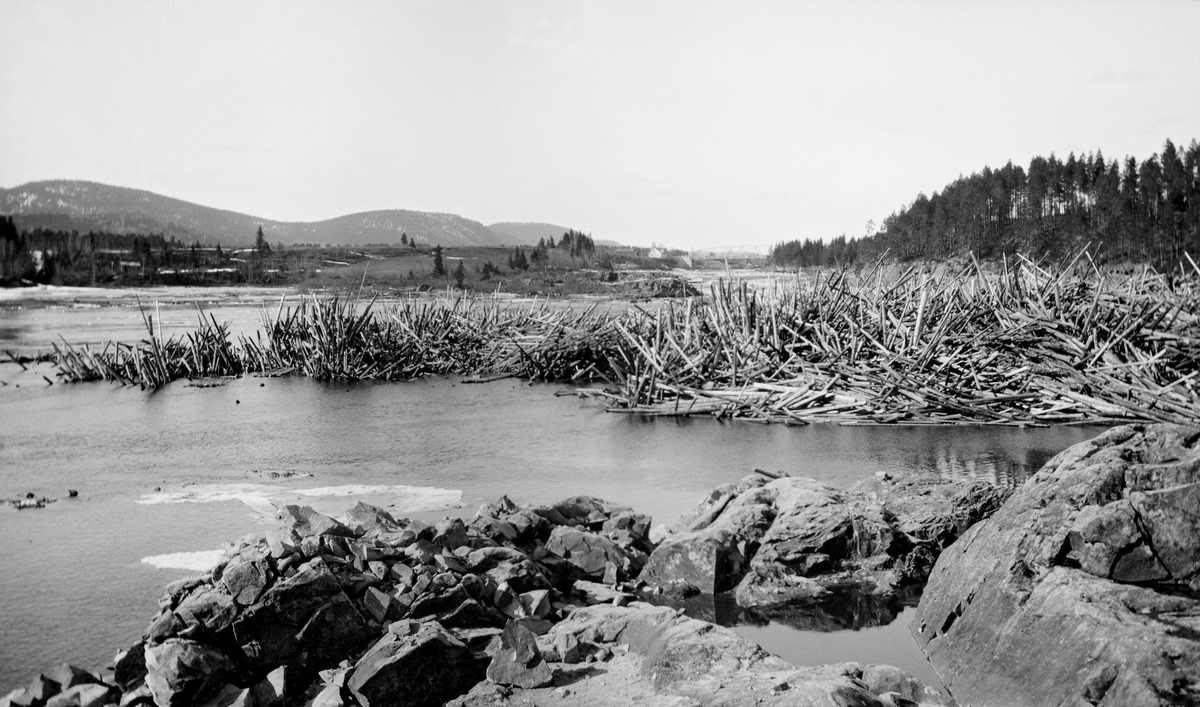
439	268
459	274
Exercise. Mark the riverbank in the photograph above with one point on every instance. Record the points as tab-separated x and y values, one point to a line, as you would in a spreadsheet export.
432	609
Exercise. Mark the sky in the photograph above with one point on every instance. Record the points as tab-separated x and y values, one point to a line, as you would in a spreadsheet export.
691	124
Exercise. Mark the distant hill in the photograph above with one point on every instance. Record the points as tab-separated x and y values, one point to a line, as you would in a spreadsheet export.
89	206
527	233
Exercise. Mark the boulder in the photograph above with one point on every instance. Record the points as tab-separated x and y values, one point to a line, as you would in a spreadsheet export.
183	673
366	517
84	695
703	559
129	667
68	676
592	554
306	522
245	579
423	668
1081	589
517	660
779	540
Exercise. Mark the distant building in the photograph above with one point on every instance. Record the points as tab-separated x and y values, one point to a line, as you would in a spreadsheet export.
655	253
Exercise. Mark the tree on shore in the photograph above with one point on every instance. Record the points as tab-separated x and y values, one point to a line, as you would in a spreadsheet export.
261	247
439	268
459	274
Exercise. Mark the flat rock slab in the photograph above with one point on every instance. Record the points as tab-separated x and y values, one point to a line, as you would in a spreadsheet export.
1082	588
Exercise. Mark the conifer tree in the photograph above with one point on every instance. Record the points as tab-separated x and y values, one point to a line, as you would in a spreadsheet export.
439	268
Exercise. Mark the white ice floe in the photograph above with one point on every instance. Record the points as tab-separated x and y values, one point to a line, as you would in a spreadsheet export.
200	561
264	499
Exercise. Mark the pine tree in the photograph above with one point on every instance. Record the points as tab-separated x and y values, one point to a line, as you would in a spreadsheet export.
403	239
459	274
261	247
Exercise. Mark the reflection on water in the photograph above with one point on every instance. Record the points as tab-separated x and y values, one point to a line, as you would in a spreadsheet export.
847	609
1000	469
863	627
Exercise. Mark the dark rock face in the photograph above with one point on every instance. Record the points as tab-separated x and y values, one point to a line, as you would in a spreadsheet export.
790	539
181	673
424	668
1083	588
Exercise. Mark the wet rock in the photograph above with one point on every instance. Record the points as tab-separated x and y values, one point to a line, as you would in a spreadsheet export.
182	673
517	660
1080	589
425	668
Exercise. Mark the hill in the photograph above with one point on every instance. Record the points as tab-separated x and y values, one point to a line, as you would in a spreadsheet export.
90	206
527	233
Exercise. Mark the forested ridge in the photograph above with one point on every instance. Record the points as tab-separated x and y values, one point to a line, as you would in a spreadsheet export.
1121	210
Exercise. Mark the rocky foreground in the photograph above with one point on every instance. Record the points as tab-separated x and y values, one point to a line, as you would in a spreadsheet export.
540	604
1084	589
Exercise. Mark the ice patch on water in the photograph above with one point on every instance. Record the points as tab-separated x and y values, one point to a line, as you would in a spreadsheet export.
264	499
200	561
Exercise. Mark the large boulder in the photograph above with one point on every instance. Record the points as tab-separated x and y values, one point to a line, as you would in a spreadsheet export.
593	554
1083	588
182	673
775	541
414	665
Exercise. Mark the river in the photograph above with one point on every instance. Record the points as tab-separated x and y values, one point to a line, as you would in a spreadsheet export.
164	479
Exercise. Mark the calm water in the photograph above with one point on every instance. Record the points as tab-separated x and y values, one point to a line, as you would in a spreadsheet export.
75	585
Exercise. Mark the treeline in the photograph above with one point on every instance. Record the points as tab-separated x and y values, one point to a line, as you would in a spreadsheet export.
47	256
1124	211
573	244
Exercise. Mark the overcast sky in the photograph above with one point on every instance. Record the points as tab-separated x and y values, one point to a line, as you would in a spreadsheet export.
685	123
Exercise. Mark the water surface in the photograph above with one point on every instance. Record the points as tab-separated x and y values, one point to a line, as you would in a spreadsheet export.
76	587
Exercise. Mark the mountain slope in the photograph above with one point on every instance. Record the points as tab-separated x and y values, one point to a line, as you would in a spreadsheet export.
89	206
527	233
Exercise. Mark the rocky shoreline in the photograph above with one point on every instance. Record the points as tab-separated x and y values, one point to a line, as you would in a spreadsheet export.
576	602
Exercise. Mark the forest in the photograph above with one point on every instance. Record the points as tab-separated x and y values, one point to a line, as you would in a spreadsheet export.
46	256
1121	211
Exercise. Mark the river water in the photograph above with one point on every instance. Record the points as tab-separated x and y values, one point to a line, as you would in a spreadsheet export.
165	479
